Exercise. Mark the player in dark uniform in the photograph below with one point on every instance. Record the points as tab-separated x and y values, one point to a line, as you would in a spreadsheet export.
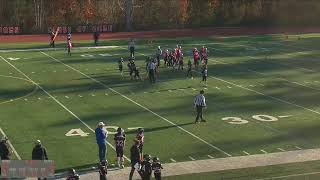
140	138
131	67
189	71
5	151
103	171
204	74
135	159
52	35
146	169
158	54
180	62
96	38
120	65
120	139
136	73
156	167
69	44
165	56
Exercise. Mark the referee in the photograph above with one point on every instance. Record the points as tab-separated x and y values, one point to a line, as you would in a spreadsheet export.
199	104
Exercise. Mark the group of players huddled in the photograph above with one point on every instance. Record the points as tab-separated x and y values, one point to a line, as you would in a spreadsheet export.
171	59
139	162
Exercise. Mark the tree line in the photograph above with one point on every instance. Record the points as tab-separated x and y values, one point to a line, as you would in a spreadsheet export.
38	15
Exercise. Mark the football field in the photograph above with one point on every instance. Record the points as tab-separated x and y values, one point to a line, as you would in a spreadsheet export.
262	95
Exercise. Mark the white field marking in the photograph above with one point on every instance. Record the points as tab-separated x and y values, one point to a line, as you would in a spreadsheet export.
267	74
251	85
145	92
26	99
280	149
229	87
65	70
260	84
10	144
11	100
193	159
66	97
50	49
54	71
211	157
93	95
285	116
32	72
170	90
262	94
39	98
58	102
316	81
172	160
217	88
194	89
205	88
263	151
143	107
80	95
11	73
245	152
106	94
298	147
288	176
133	128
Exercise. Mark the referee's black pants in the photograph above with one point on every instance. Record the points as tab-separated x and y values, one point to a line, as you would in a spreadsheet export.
199	113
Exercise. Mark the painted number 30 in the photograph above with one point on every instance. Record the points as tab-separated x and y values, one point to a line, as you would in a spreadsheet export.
239	120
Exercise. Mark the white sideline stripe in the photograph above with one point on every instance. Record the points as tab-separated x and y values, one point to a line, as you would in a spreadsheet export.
51	49
193	159
58	102
298	147
285	116
211	157
288	176
173	160
263	151
246	153
143	107
10	144
281	149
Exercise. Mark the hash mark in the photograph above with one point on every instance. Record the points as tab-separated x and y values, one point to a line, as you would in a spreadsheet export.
217	88
298	147
246	153
263	151
285	116
211	157
194	89
281	149
193	159
173	160
67	97
229	87
80	95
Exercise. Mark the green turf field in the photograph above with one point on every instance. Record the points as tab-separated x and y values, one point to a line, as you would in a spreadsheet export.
262	96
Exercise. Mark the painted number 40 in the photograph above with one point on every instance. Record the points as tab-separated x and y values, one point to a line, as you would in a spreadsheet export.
263	118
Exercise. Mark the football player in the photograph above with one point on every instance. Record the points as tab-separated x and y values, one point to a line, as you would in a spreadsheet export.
196	57
120	65
120	139
140	138
156	167
189	71
146	169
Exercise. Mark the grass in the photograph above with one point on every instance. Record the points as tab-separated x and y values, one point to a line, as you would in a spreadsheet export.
254	75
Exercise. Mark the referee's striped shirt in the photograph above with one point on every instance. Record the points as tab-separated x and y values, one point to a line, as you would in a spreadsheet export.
200	100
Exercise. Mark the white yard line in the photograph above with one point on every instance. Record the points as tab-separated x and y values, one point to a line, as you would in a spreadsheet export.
10	144
58	102
143	107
